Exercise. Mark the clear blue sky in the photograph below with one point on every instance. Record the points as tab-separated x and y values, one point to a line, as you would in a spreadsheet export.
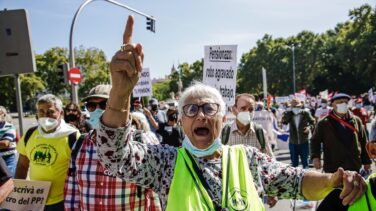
183	27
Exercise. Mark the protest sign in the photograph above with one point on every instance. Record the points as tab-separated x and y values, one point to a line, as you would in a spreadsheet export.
143	86
220	70
27	195
324	94
370	95
300	96
283	99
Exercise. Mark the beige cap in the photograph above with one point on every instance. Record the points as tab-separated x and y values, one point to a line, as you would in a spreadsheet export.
101	91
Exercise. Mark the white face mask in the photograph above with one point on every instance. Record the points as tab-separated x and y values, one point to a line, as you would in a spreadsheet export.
324	105
48	124
342	108
295	110
244	117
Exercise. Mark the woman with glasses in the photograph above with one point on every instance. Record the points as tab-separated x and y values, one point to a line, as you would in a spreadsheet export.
73	116
203	174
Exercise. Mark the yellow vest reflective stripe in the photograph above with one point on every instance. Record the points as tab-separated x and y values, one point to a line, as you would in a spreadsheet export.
241	195
361	203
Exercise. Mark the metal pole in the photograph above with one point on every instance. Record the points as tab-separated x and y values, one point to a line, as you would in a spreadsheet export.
293	66
71	50
19	102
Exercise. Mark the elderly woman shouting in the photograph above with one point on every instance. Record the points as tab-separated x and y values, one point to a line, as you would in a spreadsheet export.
202	174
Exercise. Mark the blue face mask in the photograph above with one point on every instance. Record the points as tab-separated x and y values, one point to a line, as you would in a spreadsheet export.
187	144
94	118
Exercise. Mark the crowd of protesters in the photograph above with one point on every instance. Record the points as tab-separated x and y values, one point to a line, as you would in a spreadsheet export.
136	154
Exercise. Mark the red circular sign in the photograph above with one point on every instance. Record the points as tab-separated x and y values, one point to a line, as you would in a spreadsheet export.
74	75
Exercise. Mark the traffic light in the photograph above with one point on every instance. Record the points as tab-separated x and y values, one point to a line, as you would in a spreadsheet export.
62	73
150	24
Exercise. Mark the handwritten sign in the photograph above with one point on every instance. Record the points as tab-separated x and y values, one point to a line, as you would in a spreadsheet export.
143	86
27	195
220	70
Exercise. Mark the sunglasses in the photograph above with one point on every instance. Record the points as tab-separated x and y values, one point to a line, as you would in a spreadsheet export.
91	106
209	109
70	110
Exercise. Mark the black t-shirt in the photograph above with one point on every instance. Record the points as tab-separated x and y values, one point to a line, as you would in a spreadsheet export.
172	136
4	172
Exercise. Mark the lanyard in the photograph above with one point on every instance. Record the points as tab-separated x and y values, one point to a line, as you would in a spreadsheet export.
345	123
203	181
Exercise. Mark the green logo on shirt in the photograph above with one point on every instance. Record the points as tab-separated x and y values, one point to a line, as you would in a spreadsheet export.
238	199
44	155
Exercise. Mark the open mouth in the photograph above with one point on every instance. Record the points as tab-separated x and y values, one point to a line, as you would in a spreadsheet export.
201	131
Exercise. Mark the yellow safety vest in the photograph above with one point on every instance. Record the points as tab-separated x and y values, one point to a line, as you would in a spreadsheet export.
238	190
361	203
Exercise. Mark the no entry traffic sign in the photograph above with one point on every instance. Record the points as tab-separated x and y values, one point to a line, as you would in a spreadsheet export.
74	75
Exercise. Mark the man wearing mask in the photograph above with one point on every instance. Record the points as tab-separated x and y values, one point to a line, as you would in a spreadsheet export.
88	185
155	117
300	123
323	110
172	134
361	112
45	150
342	137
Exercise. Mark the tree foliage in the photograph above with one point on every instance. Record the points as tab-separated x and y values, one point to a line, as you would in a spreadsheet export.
342	59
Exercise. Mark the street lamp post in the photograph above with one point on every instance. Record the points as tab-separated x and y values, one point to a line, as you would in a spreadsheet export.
292	47
71	50
293	66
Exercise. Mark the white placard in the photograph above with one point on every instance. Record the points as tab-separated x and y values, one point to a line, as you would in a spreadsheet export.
324	94
300	97
284	99
27	195
370	95
220	70
143	86
264	83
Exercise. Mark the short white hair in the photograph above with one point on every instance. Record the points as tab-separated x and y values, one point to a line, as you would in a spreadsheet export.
50	99
200	90
142	118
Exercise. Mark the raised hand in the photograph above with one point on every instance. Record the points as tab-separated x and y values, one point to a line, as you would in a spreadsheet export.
126	64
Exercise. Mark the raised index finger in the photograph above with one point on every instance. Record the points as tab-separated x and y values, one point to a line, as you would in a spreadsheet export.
127	36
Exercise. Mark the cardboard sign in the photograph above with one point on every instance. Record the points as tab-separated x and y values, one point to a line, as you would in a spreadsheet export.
27	195
143	86
220	70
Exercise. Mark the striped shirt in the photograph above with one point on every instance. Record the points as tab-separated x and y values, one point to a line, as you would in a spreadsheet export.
8	132
249	138
90	187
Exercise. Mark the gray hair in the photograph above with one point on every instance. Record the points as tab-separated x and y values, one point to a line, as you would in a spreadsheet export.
6	117
4	110
50	99
200	90
142	118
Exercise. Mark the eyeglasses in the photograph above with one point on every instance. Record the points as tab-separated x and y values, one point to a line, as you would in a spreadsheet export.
209	109
70	110
91	106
